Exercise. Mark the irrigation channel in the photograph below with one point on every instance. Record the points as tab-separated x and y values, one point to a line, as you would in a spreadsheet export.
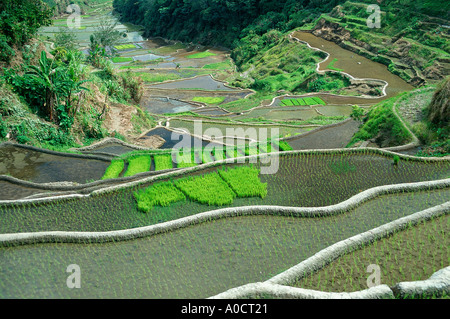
201	259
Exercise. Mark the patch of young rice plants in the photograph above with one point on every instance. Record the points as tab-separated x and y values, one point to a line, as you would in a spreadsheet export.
282	145
121	59
412	254
163	161
244	180
114	170
341	166
138	164
314	100
251	150
162	194
186	158
208	189
200	55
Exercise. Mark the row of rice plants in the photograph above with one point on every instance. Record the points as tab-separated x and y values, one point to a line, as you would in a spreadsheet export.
138	164
185	158
410	255
282	145
162	194
314	100
301	180
216	188
125	46
192	262
208	189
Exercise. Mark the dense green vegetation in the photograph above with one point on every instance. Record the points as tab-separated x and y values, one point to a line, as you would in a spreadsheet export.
114	170
244	181
19	22
208	189
382	124
138	164
209	100
162	194
163	161
218	22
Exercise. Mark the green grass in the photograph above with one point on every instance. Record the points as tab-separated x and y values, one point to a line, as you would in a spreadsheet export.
120	59
138	164
244	181
200	55
208	189
303	101
114	170
209	100
163	161
162	194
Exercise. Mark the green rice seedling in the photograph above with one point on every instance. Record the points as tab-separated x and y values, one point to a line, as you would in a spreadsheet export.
341	166
114	170
163	161
185	158
282	145
208	189
287	102
120	59
218	153
137	165
244	181
162	194
319	100
209	99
